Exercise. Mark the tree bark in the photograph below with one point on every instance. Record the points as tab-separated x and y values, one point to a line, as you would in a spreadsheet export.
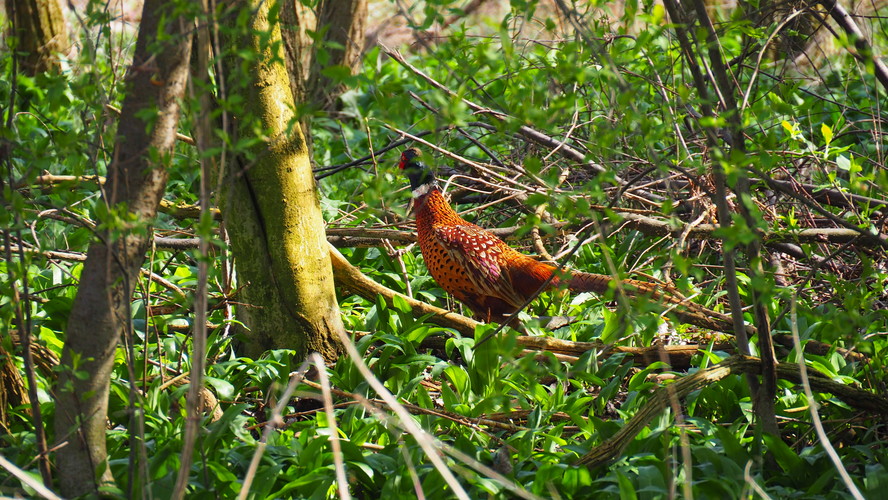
296	22
342	23
42	34
135	185
269	201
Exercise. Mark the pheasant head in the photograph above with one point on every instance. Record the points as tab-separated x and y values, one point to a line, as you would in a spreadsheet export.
421	176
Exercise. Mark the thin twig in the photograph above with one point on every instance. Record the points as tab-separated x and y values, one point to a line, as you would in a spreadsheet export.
199	335
865	52
275	420
747	476
474	423
426	441
478	166
27	479
813	405
21	303
524	131
341	480
452	451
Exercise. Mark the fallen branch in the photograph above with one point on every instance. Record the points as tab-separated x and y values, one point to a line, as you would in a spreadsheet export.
354	237
655	227
678	357
353	279
662	397
833	197
874	237
350	278
473	422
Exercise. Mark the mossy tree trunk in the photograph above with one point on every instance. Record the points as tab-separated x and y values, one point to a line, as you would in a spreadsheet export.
270	204
135	185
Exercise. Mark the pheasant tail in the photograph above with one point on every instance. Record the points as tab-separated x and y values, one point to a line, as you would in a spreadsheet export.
686	310
599	283
588	282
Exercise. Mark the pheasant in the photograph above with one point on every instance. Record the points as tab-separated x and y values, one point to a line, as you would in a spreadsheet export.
493	279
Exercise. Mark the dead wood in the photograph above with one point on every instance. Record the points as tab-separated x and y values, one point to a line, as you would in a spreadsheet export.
662	399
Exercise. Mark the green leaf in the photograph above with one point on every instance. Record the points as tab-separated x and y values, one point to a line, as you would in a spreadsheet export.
223	388
400	303
786	458
337	73
612	326
627	489
827	133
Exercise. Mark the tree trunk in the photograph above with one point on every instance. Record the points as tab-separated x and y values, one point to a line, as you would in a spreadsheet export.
345	21
43	34
270	203
135	185
296	21
342	23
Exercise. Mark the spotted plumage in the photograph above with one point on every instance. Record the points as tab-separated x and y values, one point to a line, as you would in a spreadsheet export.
491	278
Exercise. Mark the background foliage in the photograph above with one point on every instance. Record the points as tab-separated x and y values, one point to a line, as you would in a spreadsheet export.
620	93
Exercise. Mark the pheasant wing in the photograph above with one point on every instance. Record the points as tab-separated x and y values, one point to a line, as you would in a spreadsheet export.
480	254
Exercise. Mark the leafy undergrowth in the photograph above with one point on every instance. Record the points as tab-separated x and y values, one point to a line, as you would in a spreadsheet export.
527	416
506	421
